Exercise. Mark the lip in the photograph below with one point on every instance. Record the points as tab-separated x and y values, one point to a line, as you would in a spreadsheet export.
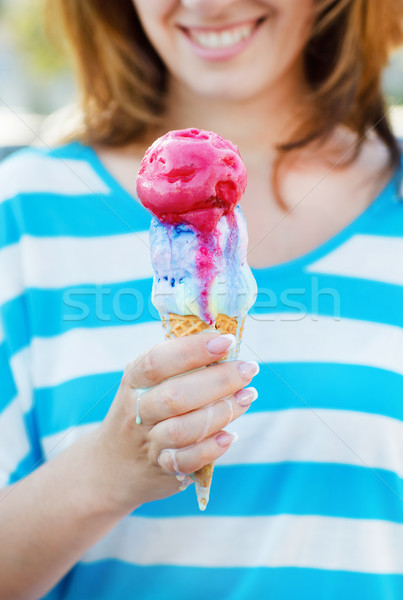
225	53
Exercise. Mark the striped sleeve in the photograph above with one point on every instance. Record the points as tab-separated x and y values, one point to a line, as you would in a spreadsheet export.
19	448
19	452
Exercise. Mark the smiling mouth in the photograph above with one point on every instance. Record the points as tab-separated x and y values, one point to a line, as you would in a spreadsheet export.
222	37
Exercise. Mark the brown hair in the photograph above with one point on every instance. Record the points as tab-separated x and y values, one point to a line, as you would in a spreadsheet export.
123	81
347	51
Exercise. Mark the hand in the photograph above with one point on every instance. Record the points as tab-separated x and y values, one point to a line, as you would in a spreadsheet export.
182	419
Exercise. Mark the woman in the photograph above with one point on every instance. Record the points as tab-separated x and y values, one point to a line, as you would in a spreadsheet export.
308	503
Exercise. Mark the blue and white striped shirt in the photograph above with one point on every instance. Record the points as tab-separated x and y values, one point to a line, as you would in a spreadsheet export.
309	503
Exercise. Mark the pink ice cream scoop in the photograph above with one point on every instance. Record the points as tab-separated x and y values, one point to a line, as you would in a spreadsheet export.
191	176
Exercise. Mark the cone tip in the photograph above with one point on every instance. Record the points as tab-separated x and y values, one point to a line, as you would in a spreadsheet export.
203	495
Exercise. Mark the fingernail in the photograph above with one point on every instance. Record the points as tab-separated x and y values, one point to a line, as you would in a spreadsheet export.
246	396
221	343
225	439
248	370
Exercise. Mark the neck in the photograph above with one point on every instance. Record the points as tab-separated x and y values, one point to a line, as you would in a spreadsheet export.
257	124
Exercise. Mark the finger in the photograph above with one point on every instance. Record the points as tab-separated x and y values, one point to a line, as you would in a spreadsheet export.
191	459
179	432
174	357
194	390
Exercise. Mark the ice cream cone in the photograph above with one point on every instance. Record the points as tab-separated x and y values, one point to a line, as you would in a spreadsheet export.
181	326
192	182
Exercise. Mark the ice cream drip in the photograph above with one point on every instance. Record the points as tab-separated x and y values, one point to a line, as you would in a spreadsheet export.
192	182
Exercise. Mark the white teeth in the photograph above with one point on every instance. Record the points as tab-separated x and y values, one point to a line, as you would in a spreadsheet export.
222	39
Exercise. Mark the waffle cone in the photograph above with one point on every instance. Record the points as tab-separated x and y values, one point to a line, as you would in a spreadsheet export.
181	326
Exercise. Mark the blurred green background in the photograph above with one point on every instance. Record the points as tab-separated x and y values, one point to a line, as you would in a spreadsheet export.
35	80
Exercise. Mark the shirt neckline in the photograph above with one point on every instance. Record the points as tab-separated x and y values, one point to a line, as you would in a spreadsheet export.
107	176
389	189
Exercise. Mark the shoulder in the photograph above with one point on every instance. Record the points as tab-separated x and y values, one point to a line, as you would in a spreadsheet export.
63	170
372	170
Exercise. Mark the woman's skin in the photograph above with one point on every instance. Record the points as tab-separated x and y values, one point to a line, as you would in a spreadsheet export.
321	199
253	98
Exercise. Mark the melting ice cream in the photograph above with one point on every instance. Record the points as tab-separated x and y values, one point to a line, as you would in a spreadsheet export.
192	182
